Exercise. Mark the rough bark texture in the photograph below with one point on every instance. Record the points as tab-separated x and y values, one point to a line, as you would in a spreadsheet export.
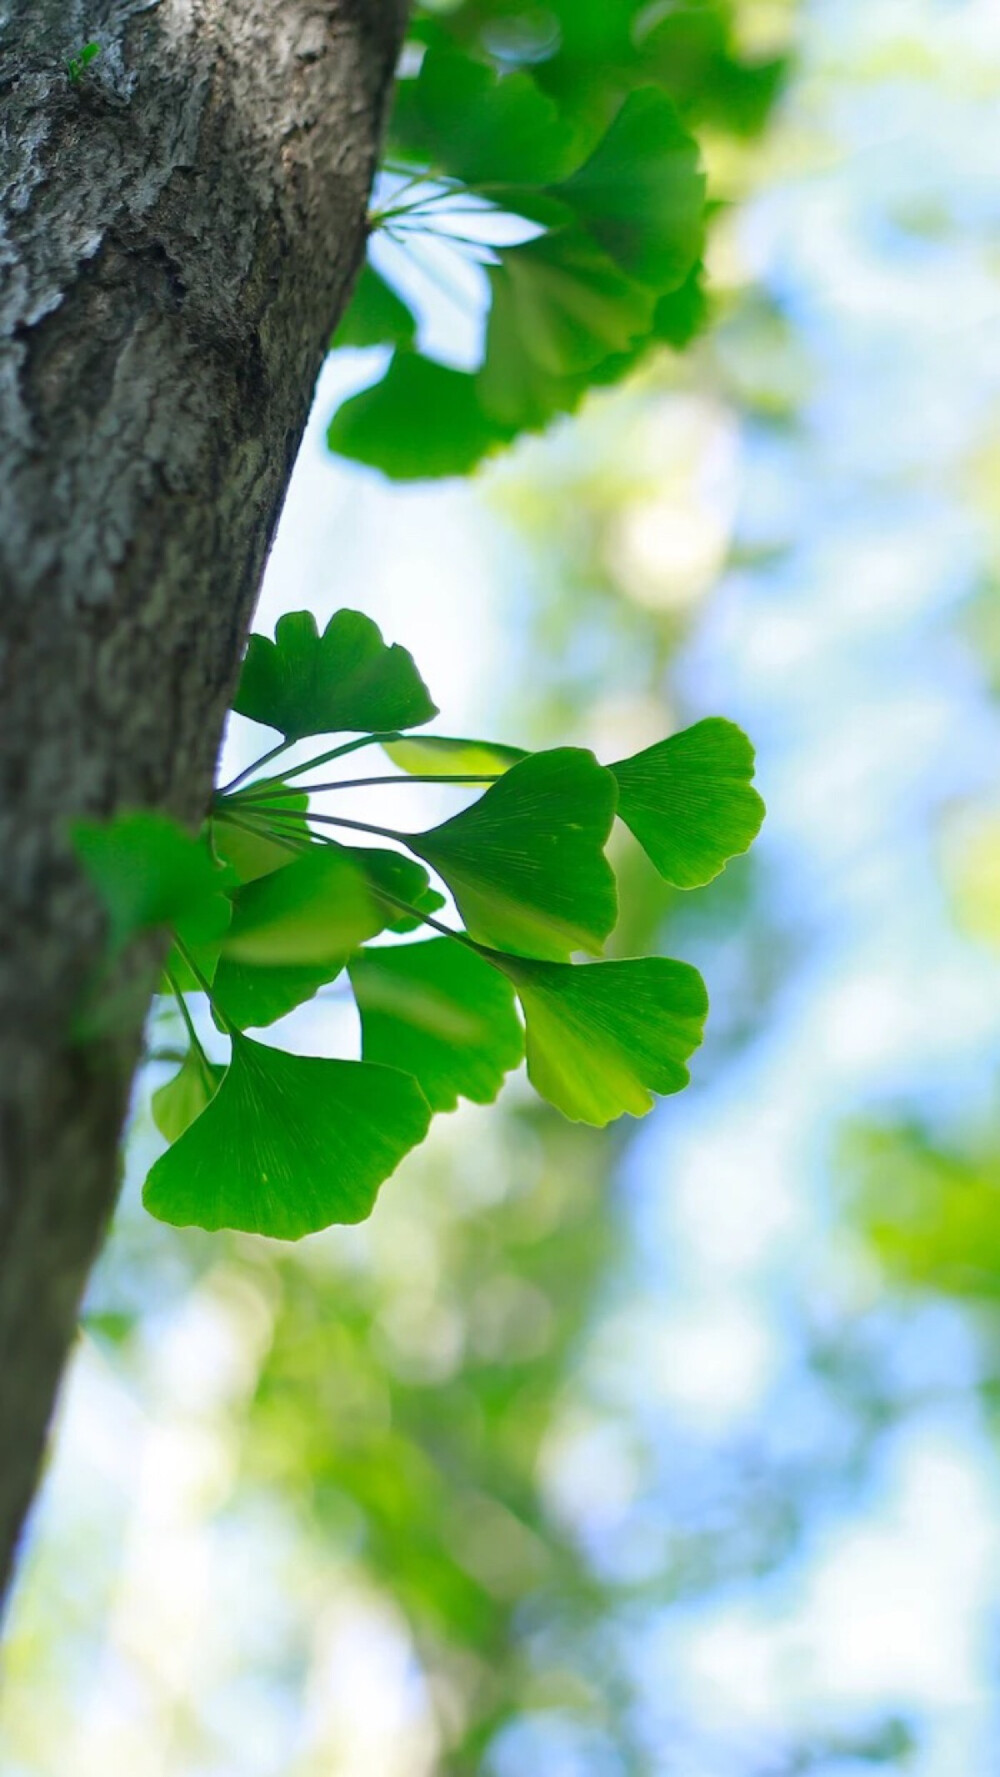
179	228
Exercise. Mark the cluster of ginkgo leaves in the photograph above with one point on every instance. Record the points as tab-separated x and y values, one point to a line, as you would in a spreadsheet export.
266	907
571	124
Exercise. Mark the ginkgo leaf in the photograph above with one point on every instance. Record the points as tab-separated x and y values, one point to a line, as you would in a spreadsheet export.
376	315
439	755
526	862
149	872
640	194
288	1145
176	1104
560	307
564	304
347	678
421	422
318	908
459	116
440	1012
602	1038
689	800
253	995
395	884
238	839
683	313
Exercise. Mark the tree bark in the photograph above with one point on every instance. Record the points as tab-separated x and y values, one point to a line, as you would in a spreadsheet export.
179	229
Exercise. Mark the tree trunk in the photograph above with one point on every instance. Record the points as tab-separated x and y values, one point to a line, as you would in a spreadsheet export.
180	225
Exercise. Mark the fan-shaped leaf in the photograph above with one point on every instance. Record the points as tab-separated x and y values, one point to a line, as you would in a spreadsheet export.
602	1038
316	910
689	800
176	1104
376	316
251	853
475	126
393	879
149	872
440	1012
640	194
347	678
438	755
253	995
421	422
526	863
289	1144
560	307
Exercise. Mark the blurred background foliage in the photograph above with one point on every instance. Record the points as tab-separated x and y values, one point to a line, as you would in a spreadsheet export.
671	1452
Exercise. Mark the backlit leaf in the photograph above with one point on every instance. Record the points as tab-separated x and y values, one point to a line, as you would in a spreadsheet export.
149	872
602	1038
421	422
289	1144
393	879
253	995
438	755
560	307
441	1013
176	1104
376	316
345	679
466	121
683	313
689	800
318	908
640	194
526	862
253	853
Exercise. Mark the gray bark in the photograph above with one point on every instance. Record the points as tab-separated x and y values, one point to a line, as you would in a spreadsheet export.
179	229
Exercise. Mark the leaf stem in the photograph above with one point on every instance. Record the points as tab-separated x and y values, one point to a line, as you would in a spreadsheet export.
352	746
426	919
265	759
363	783
193	1036
228	1026
339	820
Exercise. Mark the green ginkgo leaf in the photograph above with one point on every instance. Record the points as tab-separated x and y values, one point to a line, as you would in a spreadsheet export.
459	116
602	1038
253	995
316	910
395	884
640	194
288	1145
690	802
421	422
440	1012
149	872
238	838
439	755
176	1104
526	862
345	679
562	303
683	313
560	308
376	315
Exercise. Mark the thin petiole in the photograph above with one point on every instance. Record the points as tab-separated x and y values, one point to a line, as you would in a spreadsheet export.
193	1036
228	1026
336	820
260	830
265	759
363	783
351	746
426	919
